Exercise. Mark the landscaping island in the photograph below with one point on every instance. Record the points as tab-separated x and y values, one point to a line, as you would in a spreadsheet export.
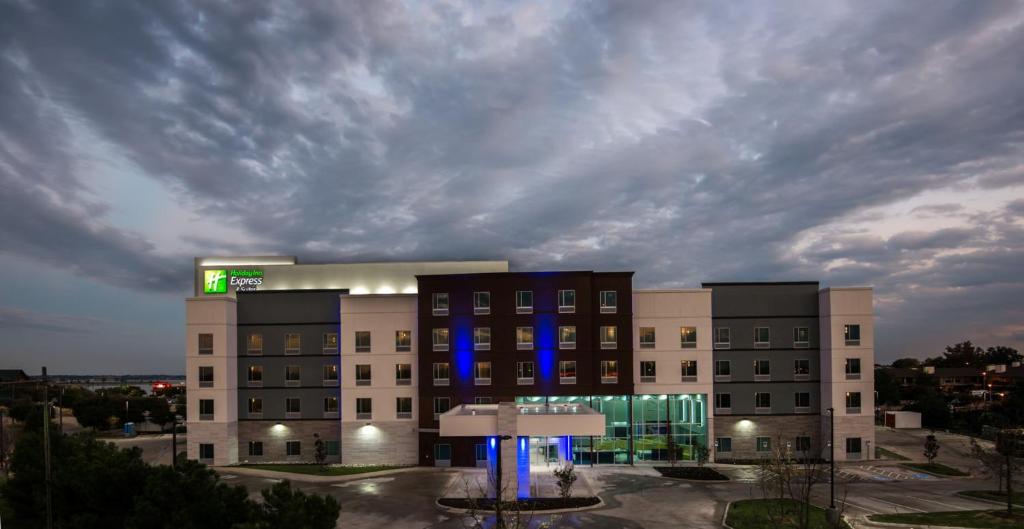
313	469
935	468
754	514
991	495
694	473
980	519
525	504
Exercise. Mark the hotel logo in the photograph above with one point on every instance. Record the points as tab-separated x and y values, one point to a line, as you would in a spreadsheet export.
215	282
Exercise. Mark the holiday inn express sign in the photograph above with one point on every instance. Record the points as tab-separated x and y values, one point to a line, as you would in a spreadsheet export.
217	281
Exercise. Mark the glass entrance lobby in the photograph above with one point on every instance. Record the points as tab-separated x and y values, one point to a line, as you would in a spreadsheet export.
637	428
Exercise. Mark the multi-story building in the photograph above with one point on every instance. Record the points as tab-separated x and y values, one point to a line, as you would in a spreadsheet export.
406	363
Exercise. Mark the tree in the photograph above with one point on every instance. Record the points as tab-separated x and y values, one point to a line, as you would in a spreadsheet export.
701	452
1002	355
318	450
565	476
285	507
886	387
906	363
791	483
931	448
193	496
992	460
959	355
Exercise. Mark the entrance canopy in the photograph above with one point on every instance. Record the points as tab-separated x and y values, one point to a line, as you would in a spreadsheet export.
481	420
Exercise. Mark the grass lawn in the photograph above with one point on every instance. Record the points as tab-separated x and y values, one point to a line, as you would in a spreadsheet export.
753	514
317	470
982	519
881	453
935	468
1018	497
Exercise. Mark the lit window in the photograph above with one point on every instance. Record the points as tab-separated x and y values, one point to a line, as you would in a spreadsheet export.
689	370
255	407
524	373
481	303
567	301
362	341
482	339
254	344
524	301
330	375
292	343
255	376
609	339
403	341
609	301
403	374
482	374
567	337
646	337
440	304
524	338
330	343
441	374
688	337
609	371
206	344
567	372
440	337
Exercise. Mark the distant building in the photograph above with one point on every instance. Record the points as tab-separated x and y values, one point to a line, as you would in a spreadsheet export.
13	375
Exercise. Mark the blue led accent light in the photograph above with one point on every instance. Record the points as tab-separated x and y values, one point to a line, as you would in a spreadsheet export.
523	468
545	330
462	339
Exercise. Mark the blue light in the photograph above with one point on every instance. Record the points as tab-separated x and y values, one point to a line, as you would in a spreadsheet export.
462	338
545	328
492	442
523	470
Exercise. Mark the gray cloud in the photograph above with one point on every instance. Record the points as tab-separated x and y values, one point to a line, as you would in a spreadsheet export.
16	319
685	142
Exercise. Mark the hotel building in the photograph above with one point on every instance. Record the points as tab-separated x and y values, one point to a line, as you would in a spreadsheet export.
432	363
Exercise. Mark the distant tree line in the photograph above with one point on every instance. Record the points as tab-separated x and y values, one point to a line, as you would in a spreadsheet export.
102	409
965	354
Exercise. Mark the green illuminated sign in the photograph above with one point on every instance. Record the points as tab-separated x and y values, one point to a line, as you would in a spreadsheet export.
215	281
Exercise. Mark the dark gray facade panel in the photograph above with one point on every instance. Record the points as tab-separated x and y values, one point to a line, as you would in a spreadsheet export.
764	299
782	364
282	307
783	397
741	331
312	402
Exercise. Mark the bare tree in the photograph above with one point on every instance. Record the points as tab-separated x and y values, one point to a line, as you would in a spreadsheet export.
507	514
992	460
791	481
931	448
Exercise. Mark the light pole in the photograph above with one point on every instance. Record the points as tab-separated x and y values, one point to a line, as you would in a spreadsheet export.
832	459
174	441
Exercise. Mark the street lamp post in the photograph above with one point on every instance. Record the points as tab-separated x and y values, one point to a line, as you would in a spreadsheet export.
832	464
174	441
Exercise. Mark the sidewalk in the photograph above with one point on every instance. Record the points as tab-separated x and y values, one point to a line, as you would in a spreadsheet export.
309	478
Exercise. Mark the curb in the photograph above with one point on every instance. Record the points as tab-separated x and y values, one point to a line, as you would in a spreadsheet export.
913	525
726	516
600	503
984	500
309	478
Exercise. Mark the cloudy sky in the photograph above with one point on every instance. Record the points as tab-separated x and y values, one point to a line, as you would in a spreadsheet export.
862	143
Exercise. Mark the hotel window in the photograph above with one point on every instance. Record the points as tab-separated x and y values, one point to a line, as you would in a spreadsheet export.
330	375
206	376
292	408
292	343
362	341
441	374
255	376
524	301
364	408
330	343
482	339
403	407
292	375
853	445
255	408
256	448
403	341
723	402
332	448
646	337
609	371
723	338
482	373
723	370
762	402
853	369
440	304
609	338
687	337
764	444
762	337
330	407
648	371
567	337
852	334
205	451
481	303
524	338
524	373
609	301
403	374
724	444
254	345
801	369
802	401
567	301
441	405
481	400
440	337
762	370
293	448
853	402
206	344
363	375
801	337
567	372
205	409
802	444
689	370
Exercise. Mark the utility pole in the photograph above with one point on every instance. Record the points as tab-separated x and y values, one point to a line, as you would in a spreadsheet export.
46	448
174	442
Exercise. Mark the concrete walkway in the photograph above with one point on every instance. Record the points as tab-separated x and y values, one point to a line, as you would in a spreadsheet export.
312	478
